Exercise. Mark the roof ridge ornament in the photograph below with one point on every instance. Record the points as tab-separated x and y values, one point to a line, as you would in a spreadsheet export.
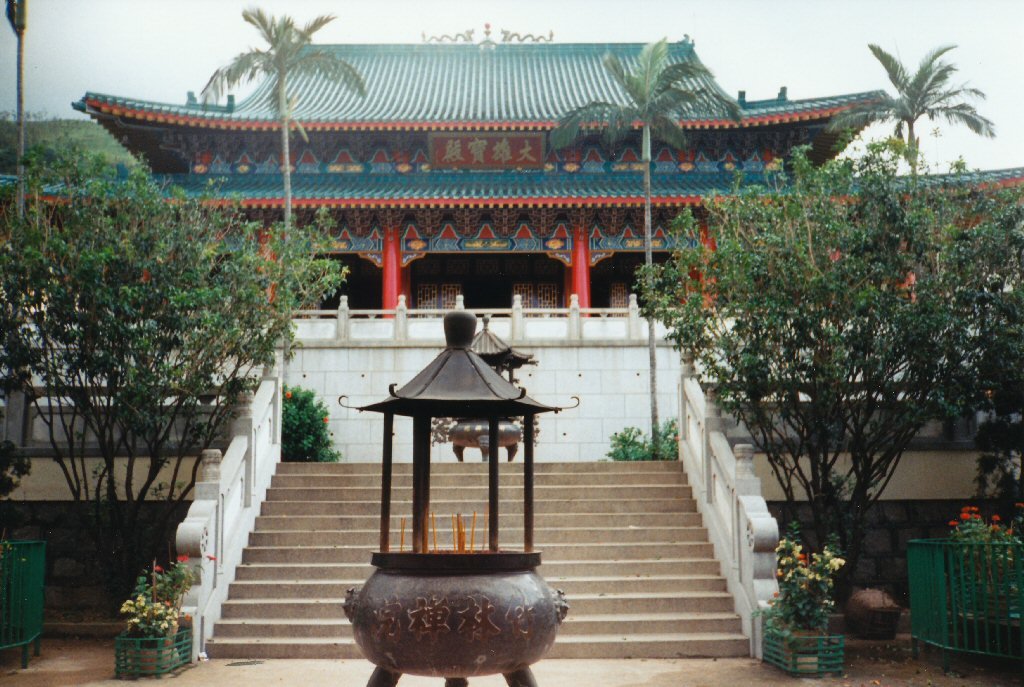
463	37
487	42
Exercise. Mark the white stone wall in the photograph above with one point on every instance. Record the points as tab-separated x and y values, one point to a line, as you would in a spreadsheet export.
609	376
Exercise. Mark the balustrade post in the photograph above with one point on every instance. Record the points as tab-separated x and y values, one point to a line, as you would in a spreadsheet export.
518	332
575	325
712	423
401	319
243	425
636	331
460	302
342	326
209	461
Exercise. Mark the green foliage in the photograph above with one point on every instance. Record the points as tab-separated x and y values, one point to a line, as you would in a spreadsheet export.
632	444
154	608
839	312
804	600
13	466
304	434
49	136
145	315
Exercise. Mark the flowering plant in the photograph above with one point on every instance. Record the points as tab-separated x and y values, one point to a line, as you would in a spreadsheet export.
804	599
970	527
154	608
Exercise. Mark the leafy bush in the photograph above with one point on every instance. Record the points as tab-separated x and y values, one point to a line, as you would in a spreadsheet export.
304	435
632	444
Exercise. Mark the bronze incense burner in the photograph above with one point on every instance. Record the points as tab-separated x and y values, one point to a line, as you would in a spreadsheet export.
465	612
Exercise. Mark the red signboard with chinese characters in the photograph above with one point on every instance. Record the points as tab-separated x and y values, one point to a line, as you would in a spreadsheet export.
487	150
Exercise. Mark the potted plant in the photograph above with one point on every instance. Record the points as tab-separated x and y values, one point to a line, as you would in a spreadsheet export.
158	637
796	635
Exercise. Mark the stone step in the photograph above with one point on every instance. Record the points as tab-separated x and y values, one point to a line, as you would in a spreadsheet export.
336	588
553	571
313	523
669	645
478	492
568	552
402	467
545	535
467	506
672	645
447	480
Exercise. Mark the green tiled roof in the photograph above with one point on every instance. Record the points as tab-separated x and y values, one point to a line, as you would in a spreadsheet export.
451	85
455	188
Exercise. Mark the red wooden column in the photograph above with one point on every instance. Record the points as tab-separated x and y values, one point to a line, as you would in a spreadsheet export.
581	266
392	269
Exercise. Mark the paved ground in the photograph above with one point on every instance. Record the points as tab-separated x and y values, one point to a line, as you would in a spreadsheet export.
869	664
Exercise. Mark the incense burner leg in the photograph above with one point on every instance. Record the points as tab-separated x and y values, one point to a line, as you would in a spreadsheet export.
485	449
459	450
521	678
512	450
383	678
456	682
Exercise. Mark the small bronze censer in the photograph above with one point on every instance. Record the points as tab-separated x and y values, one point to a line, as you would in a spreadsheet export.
461	613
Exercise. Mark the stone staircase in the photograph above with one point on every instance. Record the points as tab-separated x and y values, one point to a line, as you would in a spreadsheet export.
623	540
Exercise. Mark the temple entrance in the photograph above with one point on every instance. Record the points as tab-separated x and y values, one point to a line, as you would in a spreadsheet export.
613	279
487	281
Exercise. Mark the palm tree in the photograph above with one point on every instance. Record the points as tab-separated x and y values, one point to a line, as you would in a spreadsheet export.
925	94
287	54
656	94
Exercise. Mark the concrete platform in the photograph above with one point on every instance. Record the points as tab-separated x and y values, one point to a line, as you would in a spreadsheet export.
90	663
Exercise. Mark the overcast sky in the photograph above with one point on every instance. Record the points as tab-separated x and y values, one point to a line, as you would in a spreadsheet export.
160	49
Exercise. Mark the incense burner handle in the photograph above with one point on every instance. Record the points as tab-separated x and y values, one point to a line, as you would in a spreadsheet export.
351	604
561	606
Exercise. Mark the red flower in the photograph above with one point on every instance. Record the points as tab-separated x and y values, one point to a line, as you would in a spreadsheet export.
157	568
183	559
326	420
211	557
965	516
953	523
287	394
996	518
976	516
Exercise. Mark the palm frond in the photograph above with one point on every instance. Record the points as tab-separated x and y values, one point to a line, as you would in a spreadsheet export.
314	25
856	118
667	129
244	68
332	68
651	65
895	70
964	113
263	23
593	114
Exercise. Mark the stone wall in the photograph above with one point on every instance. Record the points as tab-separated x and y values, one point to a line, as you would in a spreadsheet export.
609	376
890	525
75	583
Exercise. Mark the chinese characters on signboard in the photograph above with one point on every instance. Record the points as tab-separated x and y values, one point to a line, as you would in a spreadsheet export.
487	150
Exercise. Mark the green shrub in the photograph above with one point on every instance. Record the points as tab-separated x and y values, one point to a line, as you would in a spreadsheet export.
632	444
304	435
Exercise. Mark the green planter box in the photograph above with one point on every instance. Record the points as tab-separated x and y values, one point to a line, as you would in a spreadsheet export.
804	654
146	657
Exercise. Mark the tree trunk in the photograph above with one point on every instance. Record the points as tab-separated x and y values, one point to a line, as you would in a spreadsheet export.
649	261
286	156
912	149
21	124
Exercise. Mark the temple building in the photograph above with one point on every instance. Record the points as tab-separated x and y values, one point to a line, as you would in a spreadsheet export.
442	181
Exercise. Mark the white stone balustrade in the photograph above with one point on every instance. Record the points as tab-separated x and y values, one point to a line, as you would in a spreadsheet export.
226	502
728	495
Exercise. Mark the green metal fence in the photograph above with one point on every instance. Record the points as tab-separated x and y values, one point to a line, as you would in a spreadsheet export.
22	568
967	597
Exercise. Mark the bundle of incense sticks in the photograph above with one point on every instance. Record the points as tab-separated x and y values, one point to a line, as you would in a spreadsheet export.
459	527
